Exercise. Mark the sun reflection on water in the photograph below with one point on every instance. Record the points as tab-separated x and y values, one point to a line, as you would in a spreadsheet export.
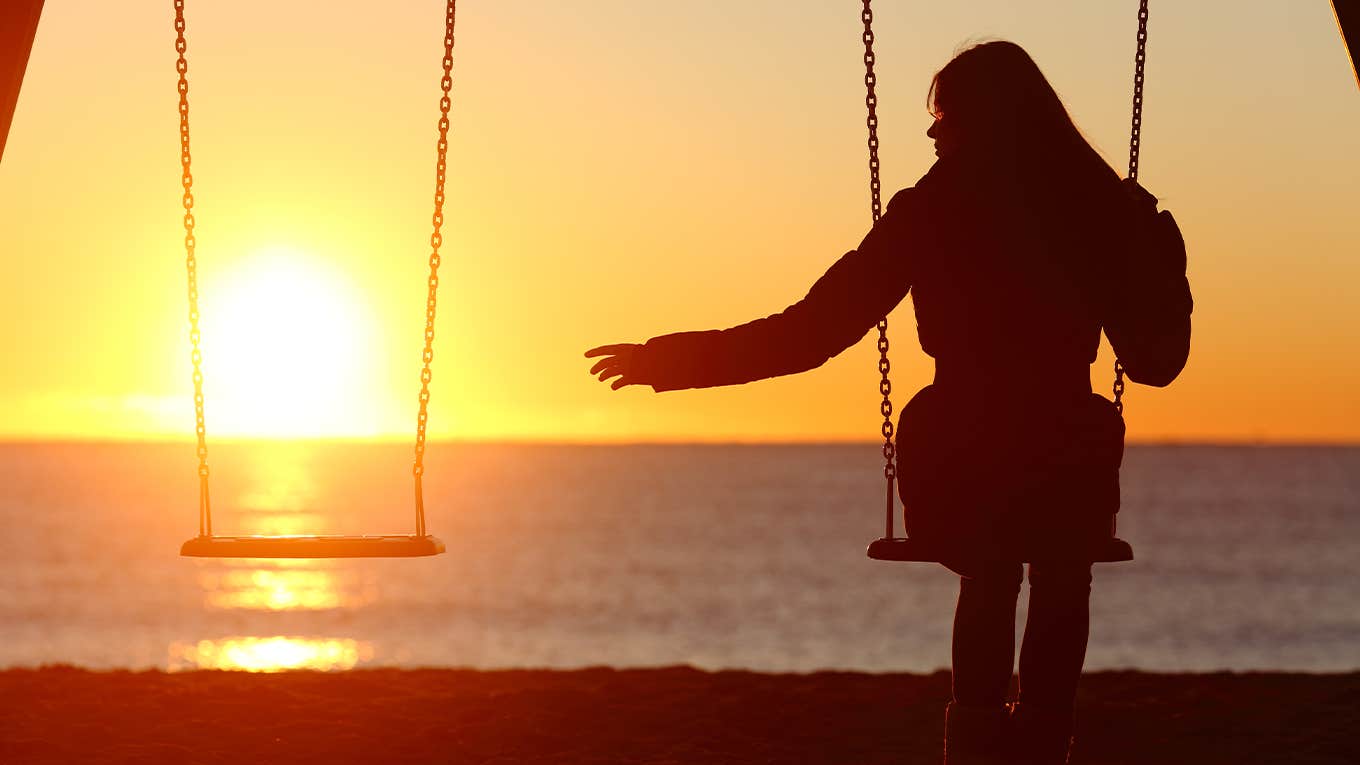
269	654
280	497
280	478
284	585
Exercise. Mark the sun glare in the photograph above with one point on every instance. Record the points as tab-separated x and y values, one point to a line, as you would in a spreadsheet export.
286	345
270	654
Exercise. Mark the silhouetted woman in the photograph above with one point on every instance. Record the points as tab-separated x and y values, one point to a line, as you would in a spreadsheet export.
1017	247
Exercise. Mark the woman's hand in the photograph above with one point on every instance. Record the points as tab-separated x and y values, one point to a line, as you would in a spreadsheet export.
617	362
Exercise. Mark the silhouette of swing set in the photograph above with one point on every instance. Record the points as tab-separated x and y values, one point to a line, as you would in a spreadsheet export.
15	46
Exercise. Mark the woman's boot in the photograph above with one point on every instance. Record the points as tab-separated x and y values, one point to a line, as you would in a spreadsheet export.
1039	736
974	735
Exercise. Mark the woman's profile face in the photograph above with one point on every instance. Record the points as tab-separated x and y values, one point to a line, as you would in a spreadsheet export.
946	138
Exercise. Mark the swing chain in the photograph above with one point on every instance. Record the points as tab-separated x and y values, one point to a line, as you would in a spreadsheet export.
1135	144
436	240
876	209
191	266
871	102
1139	63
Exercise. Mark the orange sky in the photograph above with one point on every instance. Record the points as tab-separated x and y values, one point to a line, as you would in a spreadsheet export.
617	171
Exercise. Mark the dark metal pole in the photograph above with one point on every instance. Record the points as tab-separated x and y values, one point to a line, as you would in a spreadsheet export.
18	25
1348	18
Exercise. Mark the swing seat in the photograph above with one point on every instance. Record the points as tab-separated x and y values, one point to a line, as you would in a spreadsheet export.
1112	550
381	546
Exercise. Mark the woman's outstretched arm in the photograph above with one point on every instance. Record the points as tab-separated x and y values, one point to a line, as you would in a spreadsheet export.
844	304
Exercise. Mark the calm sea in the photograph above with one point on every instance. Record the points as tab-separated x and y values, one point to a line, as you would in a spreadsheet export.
564	556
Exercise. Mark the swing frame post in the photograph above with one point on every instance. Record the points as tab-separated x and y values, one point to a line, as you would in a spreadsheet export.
1347	14
16	46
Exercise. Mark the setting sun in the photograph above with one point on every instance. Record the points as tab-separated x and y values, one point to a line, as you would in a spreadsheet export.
287	341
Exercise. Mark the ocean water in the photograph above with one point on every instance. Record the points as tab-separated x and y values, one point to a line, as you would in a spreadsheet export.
566	556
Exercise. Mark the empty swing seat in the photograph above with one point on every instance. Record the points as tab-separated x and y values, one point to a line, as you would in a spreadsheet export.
209	545
380	546
1112	550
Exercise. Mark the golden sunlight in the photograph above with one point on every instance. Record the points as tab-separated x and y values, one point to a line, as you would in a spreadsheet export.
287	344
269	654
285	585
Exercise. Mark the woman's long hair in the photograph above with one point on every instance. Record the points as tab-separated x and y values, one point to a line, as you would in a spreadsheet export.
1004	109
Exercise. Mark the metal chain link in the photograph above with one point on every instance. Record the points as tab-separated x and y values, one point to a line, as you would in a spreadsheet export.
1139	63
436	240
1135	144
191	266
876	208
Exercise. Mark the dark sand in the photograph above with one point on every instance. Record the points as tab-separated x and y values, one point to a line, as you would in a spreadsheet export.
673	715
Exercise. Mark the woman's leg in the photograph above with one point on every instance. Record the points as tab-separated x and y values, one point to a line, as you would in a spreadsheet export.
984	633
984	655
1054	646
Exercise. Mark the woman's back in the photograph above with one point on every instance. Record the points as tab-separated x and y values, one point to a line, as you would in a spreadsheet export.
1008	287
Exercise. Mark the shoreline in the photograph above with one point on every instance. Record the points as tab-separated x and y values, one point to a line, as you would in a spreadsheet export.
65	714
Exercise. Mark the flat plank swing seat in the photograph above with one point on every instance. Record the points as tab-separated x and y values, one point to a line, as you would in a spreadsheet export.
1112	550
209	545
321	546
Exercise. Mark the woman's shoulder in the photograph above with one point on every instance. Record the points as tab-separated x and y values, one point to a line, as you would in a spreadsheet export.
928	185
933	195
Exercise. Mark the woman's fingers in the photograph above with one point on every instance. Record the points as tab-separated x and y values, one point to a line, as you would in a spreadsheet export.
614	349
617	363
623	378
612	363
605	362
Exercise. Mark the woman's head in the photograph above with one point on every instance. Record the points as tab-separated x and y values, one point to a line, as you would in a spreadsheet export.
992	100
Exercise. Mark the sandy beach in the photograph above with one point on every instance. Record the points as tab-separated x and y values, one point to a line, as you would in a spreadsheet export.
668	715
